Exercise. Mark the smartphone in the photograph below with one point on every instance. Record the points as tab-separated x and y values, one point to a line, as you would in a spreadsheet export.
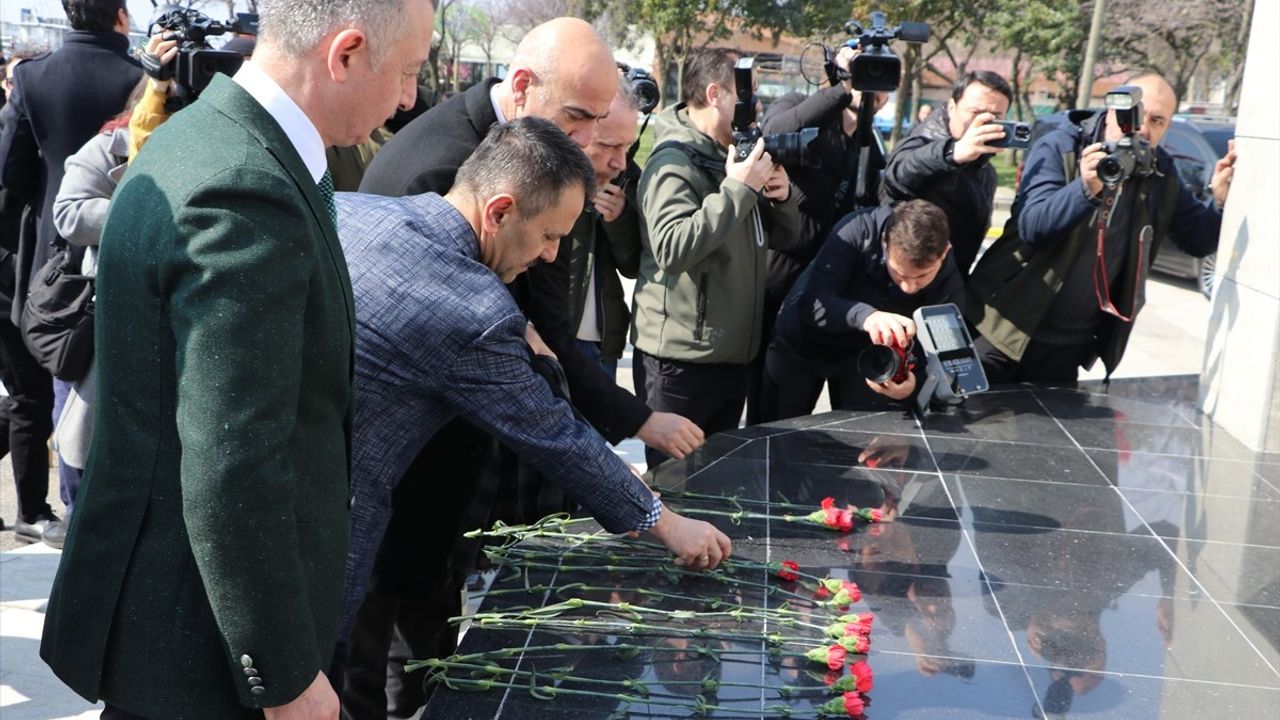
1016	135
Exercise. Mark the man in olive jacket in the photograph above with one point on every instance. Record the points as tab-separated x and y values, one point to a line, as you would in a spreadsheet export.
202	573
709	220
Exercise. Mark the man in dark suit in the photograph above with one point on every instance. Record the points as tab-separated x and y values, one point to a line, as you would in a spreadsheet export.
562	71
57	103
202	572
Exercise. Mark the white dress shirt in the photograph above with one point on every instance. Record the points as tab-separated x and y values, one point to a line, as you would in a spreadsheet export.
297	126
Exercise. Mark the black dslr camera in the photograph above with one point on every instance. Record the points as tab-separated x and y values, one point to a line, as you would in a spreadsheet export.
1131	155
197	62
876	68
785	148
643	85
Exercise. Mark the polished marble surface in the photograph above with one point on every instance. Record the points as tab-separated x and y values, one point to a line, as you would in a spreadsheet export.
1048	554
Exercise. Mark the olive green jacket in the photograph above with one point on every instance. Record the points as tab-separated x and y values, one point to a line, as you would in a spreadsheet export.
699	296
202	574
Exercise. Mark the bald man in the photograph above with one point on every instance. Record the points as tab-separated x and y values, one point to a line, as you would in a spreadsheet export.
564	72
1061	288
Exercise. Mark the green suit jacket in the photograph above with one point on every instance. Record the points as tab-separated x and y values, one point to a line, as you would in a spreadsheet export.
202	574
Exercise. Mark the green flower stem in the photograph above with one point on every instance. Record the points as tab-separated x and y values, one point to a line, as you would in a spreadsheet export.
530	652
713	575
737	517
739	614
782	614
700	707
605	627
734	500
640	686
629	556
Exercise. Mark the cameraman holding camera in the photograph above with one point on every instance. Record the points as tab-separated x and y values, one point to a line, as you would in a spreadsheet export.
876	269
1063	284
826	191
699	297
946	160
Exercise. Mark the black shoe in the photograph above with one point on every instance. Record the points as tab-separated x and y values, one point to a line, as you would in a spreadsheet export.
55	533
33	532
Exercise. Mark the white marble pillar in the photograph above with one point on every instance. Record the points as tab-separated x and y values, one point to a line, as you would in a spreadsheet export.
1240	382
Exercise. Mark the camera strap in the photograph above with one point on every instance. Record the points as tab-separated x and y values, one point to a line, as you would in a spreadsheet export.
1101	279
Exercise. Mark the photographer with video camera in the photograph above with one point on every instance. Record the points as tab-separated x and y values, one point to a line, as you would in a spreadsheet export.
826	187
824	181
853	303
1063	284
713	201
946	160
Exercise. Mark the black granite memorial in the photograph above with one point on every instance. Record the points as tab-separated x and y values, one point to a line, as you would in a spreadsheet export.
1045	554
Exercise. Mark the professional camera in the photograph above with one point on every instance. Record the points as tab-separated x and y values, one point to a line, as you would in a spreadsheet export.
644	86
882	363
1131	155
785	148
197	62
876	68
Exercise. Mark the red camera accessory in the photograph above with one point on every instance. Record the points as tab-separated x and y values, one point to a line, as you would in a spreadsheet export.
884	363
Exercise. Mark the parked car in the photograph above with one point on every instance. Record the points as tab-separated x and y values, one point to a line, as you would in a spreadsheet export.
1195	146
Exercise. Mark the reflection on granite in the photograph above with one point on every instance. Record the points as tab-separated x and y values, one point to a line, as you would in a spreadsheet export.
1048	553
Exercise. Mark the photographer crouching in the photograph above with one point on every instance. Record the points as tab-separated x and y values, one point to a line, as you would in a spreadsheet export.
1063	284
848	320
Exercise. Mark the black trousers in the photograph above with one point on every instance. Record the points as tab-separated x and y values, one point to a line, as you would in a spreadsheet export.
790	387
26	422
389	632
710	394
1041	364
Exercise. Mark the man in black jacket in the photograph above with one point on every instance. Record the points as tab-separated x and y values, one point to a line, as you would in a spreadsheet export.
58	102
826	191
946	160
26	414
1063	284
562	71
871	274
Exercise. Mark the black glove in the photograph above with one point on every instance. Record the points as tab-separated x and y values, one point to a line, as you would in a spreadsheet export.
152	66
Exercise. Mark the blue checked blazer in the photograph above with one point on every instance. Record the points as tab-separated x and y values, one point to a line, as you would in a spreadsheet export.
438	336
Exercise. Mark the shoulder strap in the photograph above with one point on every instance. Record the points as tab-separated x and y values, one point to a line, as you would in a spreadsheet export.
714	170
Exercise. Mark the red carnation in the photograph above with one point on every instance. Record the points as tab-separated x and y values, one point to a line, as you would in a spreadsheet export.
866	679
852	588
853	704
835	657
790	571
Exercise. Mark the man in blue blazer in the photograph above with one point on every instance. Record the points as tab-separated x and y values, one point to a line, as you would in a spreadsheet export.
441	337
203	567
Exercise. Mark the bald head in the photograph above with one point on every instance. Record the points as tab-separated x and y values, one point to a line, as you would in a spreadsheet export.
1159	103
562	71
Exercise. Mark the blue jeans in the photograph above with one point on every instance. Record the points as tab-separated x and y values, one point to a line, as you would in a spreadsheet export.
592	350
68	476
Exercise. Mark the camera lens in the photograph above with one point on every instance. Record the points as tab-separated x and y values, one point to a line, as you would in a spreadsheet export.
879	363
1112	170
791	148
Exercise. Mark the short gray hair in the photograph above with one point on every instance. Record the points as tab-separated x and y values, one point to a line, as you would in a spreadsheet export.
297	26
531	159
627	94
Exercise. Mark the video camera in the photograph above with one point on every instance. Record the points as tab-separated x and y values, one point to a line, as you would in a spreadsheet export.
785	148
197	62
877	68
1131	155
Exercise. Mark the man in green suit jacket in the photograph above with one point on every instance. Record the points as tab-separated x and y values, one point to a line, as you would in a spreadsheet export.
202	572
